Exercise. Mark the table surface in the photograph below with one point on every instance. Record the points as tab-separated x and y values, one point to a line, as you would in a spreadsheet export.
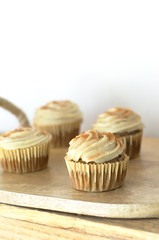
28	223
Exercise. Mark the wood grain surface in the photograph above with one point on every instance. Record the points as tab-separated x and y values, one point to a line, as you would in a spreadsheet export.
51	188
30	224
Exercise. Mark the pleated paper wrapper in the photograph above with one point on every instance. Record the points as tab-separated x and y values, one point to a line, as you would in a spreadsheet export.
132	144
62	134
93	177
25	160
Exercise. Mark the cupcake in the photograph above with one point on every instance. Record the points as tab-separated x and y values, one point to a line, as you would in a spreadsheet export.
96	161
24	150
126	125
62	119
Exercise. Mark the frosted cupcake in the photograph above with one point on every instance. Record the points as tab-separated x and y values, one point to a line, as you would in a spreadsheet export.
96	161
124	123
24	150
62	119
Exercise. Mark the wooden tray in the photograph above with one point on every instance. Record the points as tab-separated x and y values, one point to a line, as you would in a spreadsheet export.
51	188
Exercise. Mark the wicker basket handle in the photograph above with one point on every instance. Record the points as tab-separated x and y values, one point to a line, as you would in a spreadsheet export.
24	122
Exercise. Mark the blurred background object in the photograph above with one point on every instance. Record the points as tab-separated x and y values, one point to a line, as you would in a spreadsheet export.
19	114
99	54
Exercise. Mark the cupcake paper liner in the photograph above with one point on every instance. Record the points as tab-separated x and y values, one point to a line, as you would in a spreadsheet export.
25	160
132	144
63	141
100	177
62	134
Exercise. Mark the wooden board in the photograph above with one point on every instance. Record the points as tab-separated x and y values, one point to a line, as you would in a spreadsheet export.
30	224
51	188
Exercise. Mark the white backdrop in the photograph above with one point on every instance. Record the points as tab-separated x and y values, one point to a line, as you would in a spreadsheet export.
98	54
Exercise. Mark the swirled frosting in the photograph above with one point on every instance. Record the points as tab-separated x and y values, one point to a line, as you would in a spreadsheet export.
118	120
23	138
92	146
57	112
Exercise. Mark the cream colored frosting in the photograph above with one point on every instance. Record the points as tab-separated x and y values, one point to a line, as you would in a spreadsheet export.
57	112
92	146
23	138
118	120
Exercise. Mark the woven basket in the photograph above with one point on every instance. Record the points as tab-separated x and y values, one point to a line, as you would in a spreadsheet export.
23	120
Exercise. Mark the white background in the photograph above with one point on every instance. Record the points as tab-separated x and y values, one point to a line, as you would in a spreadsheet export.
98	54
